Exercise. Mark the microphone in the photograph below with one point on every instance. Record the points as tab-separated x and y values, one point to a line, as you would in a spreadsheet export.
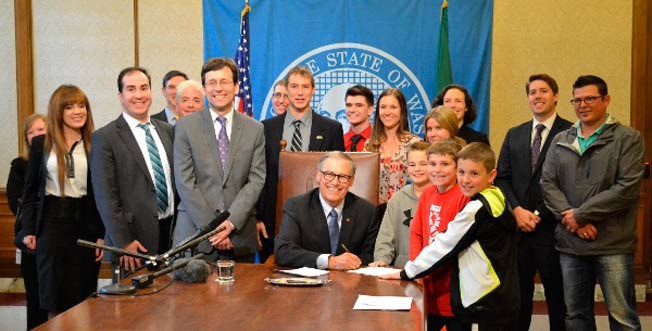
196	271
201	235
221	217
120	251
147	279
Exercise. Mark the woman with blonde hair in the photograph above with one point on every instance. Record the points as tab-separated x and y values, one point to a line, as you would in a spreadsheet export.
58	203
34	126
391	138
441	123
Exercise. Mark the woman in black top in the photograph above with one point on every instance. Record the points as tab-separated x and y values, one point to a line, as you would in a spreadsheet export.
58	203
457	98
34	126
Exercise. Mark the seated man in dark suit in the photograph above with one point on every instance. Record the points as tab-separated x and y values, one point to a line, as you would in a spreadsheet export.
328	227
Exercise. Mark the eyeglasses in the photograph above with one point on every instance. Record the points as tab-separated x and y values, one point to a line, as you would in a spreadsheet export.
329	176
279	95
588	100
222	83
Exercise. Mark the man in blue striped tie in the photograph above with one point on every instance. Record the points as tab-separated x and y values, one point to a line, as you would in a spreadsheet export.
131	167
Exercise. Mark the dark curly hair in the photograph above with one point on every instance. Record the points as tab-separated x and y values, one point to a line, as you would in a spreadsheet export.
471	110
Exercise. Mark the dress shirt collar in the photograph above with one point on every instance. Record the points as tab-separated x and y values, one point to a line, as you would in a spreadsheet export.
366	133
228	116
547	123
131	121
326	208
306	119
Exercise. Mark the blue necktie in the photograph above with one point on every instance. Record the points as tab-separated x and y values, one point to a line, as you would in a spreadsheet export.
160	183
333	230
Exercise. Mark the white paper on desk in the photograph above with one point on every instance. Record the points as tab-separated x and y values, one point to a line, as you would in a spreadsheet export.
306	272
371	302
375	271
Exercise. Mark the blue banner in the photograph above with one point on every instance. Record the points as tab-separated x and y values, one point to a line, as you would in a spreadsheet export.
376	43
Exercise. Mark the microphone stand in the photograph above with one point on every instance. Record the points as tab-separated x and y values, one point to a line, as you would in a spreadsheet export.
147	279
188	244
117	288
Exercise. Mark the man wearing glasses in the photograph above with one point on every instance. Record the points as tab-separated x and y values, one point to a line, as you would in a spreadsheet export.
303	129
280	98
219	165
591	181
328	227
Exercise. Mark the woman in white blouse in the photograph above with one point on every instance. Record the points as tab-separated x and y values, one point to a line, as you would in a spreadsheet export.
58	203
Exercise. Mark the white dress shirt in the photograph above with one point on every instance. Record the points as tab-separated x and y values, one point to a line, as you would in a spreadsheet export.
141	139
544	134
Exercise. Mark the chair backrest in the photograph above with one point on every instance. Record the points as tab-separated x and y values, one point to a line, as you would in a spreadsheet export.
297	171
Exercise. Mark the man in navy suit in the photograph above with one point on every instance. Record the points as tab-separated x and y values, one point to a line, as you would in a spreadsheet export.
519	174
303	130
328	227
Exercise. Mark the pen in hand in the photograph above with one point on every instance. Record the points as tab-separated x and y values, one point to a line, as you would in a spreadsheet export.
345	248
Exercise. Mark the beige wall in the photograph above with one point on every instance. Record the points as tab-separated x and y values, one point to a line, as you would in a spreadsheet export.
171	37
564	39
8	128
87	43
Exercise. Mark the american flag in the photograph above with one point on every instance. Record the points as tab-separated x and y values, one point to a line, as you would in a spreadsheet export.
242	60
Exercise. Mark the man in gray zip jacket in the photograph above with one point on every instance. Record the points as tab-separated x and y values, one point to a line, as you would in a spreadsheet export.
591	182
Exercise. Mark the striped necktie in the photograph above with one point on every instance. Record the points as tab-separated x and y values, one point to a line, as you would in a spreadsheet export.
160	183
296	137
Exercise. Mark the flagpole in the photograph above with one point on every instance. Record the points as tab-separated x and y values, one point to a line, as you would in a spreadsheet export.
244	100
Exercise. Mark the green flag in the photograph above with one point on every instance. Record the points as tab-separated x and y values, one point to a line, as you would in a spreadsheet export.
444	73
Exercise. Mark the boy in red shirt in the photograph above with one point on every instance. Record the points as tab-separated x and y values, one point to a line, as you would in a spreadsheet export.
438	205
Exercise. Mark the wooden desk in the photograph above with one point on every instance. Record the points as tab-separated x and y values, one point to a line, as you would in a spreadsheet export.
247	304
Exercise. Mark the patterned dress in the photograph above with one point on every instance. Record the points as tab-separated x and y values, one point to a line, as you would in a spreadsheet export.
393	169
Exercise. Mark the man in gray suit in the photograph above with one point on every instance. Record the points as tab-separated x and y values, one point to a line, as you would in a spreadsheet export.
131	166
219	160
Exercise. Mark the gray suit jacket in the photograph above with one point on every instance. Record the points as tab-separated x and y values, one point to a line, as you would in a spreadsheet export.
204	188
123	187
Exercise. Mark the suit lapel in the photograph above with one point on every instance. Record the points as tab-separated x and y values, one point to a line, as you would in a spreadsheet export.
556	128
276	134
236	133
348	219
128	139
320	225
316	133
166	140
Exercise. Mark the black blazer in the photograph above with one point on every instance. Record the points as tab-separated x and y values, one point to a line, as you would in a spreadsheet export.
515	178
469	135
124	191
304	230
325	135
34	194
161	116
16	183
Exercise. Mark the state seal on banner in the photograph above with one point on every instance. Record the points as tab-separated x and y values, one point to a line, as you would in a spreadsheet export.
337	67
